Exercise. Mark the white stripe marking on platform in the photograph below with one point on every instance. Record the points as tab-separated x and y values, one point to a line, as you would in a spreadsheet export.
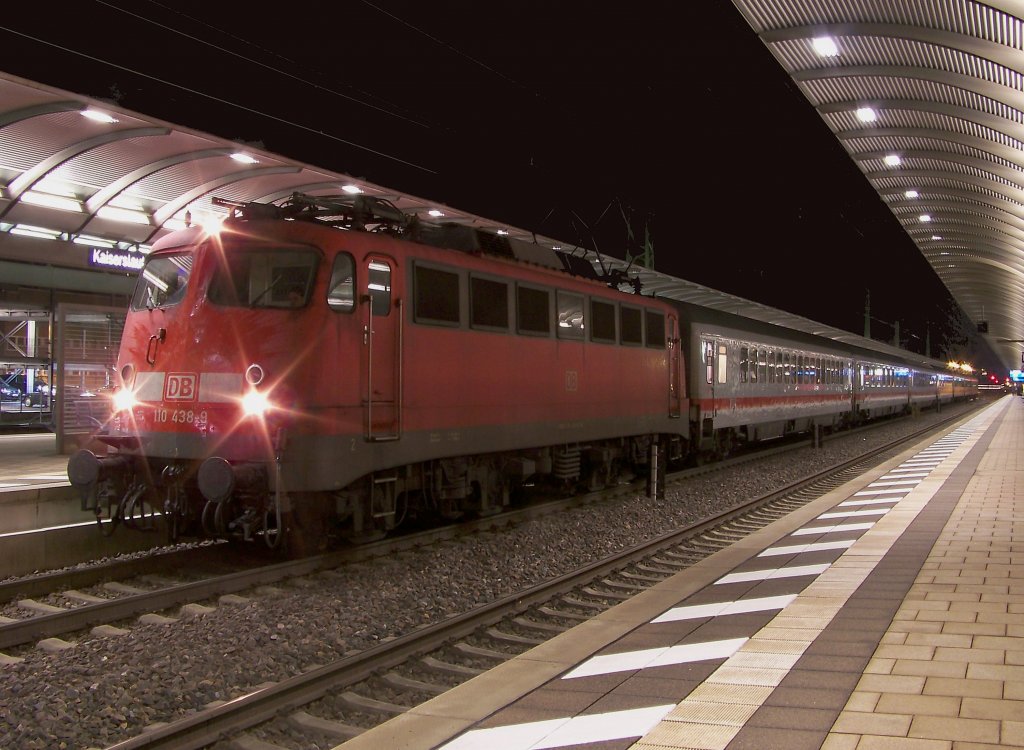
810	547
574	730
838	528
771	574
854	513
629	661
718	609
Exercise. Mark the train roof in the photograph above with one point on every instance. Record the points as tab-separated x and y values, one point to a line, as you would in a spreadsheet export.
662	285
374	214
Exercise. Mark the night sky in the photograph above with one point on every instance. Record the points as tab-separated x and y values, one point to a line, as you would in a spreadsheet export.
557	117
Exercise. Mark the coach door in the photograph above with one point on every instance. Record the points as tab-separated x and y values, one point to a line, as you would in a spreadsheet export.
382	336
675	388
708	376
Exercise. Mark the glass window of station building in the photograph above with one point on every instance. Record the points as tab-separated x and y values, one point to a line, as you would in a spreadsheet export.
62	309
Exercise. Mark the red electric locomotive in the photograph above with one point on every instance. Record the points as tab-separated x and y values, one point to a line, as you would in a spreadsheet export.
328	367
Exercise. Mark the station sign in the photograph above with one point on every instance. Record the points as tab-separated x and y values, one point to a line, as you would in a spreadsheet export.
124	260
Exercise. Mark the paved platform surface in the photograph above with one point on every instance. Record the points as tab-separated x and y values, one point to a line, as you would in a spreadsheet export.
31	460
887	615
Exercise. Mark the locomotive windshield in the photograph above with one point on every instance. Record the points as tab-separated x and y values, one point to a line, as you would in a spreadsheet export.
162	281
279	277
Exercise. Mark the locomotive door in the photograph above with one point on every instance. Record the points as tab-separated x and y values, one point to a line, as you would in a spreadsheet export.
382	340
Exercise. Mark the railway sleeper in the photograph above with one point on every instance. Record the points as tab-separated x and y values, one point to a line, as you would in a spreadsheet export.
485	653
445	667
362	703
395	680
544	627
563	614
308	722
503	637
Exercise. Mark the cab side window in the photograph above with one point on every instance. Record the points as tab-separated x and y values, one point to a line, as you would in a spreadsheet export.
341	295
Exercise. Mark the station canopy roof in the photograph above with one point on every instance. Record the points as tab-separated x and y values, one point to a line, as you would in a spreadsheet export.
926	97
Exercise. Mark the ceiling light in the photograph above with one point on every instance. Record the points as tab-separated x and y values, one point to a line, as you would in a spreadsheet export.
96	115
29	231
925	218
126	201
911	194
825	46
49	200
123	215
352	189
244	158
435	212
503	231
83	239
893	160
936	237
866	114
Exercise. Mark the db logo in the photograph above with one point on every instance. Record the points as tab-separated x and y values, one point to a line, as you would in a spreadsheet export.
180	386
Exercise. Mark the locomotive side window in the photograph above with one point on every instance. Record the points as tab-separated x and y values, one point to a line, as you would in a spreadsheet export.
279	277
378	284
436	296
723	359
341	293
162	282
631	324
709	361
602	321
570	315
488	304
655	329
533	310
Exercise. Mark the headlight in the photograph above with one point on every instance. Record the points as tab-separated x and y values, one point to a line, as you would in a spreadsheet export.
124	399
255	403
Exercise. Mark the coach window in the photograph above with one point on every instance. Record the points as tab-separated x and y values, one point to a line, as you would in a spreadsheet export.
762	365
753	365
570	315
655	323
770	365
436	296
341	295
723	360
744	353
602	321
533	310
488	304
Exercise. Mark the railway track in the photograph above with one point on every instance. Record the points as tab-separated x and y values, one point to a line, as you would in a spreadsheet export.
340	700
38	609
